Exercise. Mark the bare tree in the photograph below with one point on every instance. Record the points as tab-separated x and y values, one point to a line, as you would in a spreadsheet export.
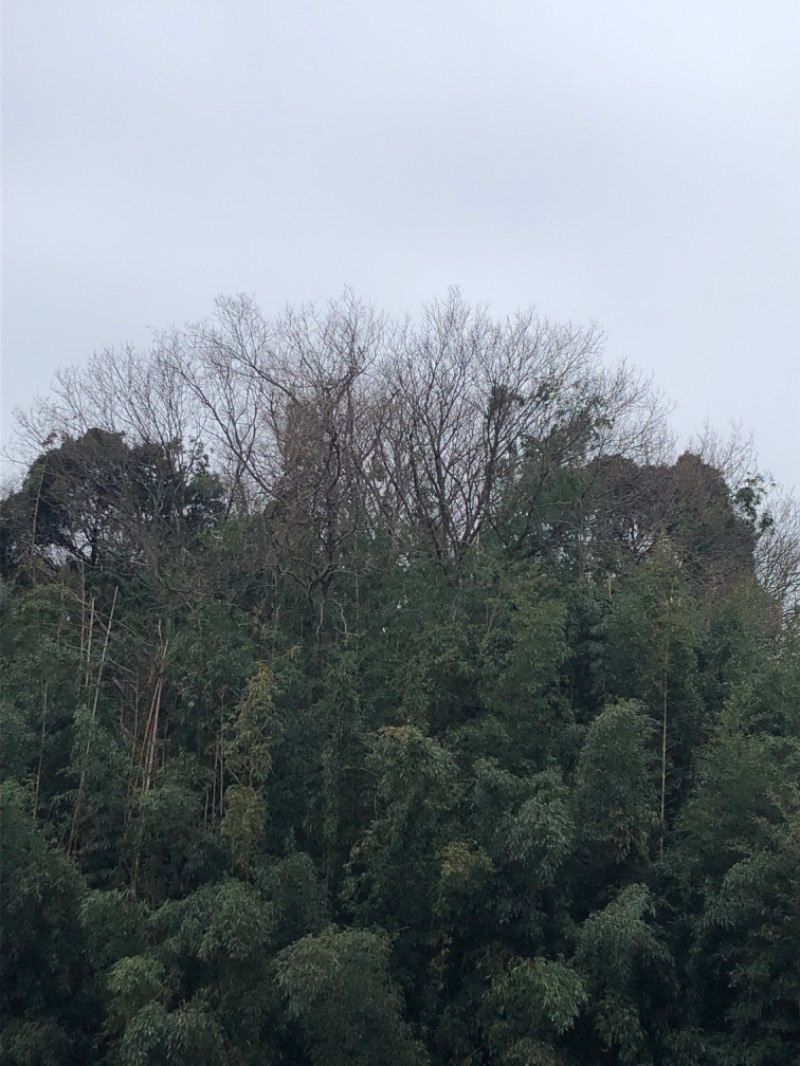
778	550
773	511
288	405
336	423
134	392
477	406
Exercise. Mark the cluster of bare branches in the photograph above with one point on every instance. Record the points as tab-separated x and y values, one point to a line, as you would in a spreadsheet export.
774	509
339	423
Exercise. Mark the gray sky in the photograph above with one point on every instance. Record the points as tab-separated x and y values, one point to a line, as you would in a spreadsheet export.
634	163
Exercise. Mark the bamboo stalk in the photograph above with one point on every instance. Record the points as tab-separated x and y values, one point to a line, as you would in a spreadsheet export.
36	507
42	735
151	735
87	676
664	725
221	760
82	782
150	738
665	720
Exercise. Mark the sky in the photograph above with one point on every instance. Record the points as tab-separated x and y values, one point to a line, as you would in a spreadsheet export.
634	164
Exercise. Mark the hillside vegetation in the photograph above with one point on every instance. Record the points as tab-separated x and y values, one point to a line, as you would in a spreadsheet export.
383	692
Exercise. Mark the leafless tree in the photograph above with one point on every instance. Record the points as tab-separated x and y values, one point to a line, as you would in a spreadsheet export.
132	391
337	423
778	550
475	406
773	510
288	408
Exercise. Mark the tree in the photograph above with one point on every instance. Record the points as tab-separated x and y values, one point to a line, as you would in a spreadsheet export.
434	713
340	993
48	1008
95	499
617	946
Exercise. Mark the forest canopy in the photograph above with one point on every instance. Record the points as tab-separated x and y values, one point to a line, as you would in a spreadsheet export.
382	691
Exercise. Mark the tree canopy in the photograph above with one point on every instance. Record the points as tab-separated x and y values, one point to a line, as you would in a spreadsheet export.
380	692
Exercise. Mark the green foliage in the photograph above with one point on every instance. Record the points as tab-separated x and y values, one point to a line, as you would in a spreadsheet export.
133	982
423	731
520	656
39	667
99	500
114	923
540	835
340	993
737	774
756	918
532	1001
616	948
297	897
169	846
615	786
394	867
466	871
253	734
47	1010
255	730
184	1036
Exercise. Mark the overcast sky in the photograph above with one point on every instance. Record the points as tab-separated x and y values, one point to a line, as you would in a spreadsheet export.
632	163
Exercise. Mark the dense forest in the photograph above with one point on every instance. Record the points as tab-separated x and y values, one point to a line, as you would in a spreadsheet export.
391	692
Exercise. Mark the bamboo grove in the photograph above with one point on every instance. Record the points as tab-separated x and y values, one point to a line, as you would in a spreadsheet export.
389	692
